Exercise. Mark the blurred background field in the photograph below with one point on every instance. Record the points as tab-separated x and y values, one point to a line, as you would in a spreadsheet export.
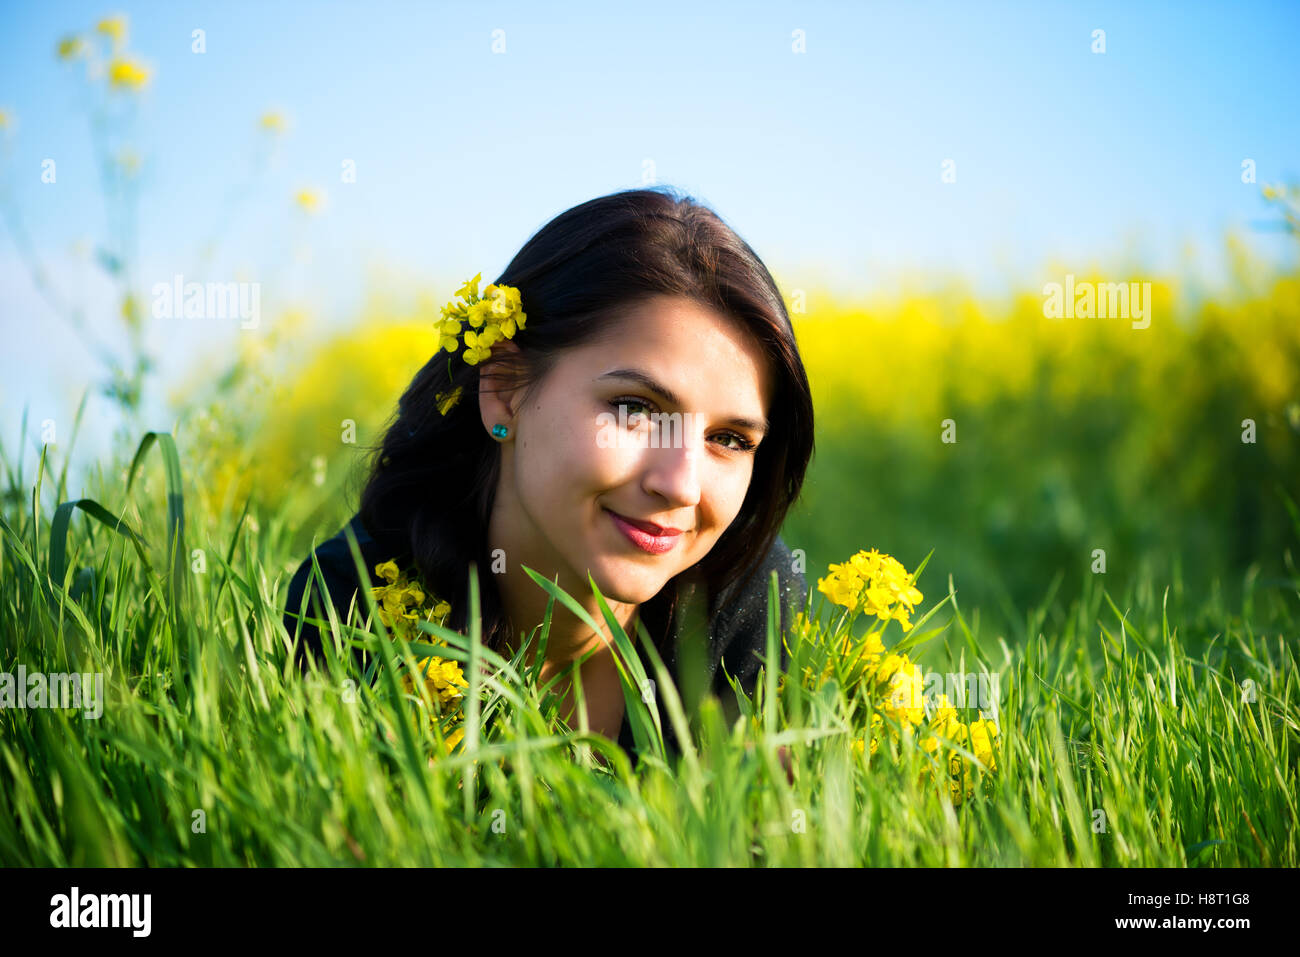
917	296
1071	435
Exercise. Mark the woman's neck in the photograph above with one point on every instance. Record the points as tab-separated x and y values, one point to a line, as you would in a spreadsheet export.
569	637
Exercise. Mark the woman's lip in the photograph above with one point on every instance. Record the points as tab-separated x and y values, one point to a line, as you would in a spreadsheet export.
655	544
650	528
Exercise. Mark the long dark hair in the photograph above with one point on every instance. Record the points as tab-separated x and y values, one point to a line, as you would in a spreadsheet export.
432	480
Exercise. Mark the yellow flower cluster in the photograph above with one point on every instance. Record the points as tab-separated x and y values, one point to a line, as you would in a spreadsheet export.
851	655
894	683
402	603
978	737
124	72
71	47
114	28
496	315
873	583
879	584
272	121
308	200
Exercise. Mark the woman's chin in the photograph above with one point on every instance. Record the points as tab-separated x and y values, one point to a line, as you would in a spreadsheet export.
628	585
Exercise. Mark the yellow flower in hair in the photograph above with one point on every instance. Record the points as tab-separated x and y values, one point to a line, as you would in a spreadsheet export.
479	344
496	315
447	335
446	400
469	291
478	313
503	300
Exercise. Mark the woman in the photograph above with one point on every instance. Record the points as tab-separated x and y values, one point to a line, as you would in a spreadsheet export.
650	423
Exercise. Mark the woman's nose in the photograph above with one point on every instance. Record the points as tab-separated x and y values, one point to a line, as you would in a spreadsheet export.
674	471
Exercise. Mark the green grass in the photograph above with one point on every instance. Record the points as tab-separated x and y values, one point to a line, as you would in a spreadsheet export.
1181	731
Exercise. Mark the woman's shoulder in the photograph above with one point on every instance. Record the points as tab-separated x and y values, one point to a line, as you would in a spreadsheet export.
736	630
334	555
737	618
339	571
740	612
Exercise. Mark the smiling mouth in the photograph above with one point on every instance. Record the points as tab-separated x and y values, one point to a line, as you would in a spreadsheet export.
646	536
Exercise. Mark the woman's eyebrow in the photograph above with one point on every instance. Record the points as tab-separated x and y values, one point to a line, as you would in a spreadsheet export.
667	394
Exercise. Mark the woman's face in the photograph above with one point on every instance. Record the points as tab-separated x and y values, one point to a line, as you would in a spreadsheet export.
595	448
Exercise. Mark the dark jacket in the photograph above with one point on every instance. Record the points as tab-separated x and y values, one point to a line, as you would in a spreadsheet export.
736	619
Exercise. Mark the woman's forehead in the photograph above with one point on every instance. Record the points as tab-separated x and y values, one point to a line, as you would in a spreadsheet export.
690	348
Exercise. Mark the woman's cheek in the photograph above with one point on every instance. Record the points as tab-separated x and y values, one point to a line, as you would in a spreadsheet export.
732	489
614	457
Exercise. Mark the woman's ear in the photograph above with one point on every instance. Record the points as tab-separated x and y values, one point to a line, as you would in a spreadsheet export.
498	399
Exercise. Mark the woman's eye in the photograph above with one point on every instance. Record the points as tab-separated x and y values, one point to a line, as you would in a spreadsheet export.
741	444
629	404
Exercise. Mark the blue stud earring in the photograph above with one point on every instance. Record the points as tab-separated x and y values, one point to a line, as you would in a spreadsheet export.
500	431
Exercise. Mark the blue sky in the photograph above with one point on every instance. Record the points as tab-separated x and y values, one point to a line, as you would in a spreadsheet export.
828	162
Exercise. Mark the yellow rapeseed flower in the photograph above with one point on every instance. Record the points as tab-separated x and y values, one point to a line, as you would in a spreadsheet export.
130	309
982	733
114	28
879	584
454	738
272	121
497	315
402	603
905	701
943	712
478	313
873	583
469	291
127	74
448	334
128	161
447	400
443	679
71	47
308	199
